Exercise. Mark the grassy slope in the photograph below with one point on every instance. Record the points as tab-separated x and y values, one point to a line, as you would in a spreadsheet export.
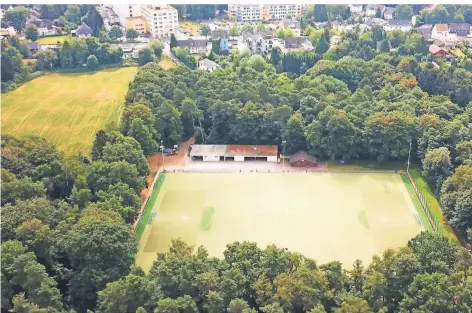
53	39
416	202
149	206
67	109
166	63
191	26
433	203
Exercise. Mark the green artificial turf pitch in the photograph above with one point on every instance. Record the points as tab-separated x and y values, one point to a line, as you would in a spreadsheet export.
324	216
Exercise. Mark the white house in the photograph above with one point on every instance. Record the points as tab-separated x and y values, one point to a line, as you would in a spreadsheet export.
259	43
335	40
440	32
194	46
403	25
295	43
388	13
370	10
208	65
355	8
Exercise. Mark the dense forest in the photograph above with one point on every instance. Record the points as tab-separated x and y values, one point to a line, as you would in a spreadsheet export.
67	240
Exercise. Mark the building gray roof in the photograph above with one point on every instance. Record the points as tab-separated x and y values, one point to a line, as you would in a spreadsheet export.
33	45
208	63
389	10
192	43
461	29
399	23
294	42
201	150
290	22
370	7
258	36
219	34
83	30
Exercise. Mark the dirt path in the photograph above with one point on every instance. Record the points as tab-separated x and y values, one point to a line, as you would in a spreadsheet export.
155	161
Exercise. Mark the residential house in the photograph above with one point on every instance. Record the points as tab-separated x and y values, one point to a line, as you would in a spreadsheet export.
388	13
33	47
194	46
335	40
208	65
293	43
292	24
438	52
83	31
46	28
440	32
460	29
371	10
259	43
222	36
355	8
425	31
403	25
459	32
374	21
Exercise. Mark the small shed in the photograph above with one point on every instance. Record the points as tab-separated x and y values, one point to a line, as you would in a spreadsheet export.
302	159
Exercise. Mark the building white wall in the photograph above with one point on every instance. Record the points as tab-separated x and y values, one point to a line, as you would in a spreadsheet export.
239	158
258	12
211	158
126	10
272	158
162	19
402	28
280	11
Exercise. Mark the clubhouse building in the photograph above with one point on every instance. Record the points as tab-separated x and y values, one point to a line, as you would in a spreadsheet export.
237	153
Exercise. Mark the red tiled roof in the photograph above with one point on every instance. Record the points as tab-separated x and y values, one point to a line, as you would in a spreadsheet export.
441	27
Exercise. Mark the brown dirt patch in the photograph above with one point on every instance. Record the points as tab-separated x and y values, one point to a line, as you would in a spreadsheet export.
155	161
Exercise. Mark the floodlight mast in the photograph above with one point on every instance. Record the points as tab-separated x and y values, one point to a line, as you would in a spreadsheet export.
409	154
283	159
162	155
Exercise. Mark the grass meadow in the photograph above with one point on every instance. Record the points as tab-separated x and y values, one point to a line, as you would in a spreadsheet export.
67	108
191	26
53	39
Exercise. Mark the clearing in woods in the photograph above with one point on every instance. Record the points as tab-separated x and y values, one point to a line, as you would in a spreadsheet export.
324	216
67	109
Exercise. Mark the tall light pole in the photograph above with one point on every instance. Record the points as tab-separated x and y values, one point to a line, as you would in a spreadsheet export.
409	154
162	155
283	149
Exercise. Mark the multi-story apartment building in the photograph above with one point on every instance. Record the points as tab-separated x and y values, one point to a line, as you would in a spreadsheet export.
259	12
163	20
137	23
280	11
126	10
245	12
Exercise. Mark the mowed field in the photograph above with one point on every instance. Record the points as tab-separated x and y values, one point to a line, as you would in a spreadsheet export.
324	216
67	109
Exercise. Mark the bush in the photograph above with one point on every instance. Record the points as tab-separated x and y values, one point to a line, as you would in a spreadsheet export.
92	62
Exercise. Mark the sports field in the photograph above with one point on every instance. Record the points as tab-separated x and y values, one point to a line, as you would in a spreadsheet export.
325	216
67	109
